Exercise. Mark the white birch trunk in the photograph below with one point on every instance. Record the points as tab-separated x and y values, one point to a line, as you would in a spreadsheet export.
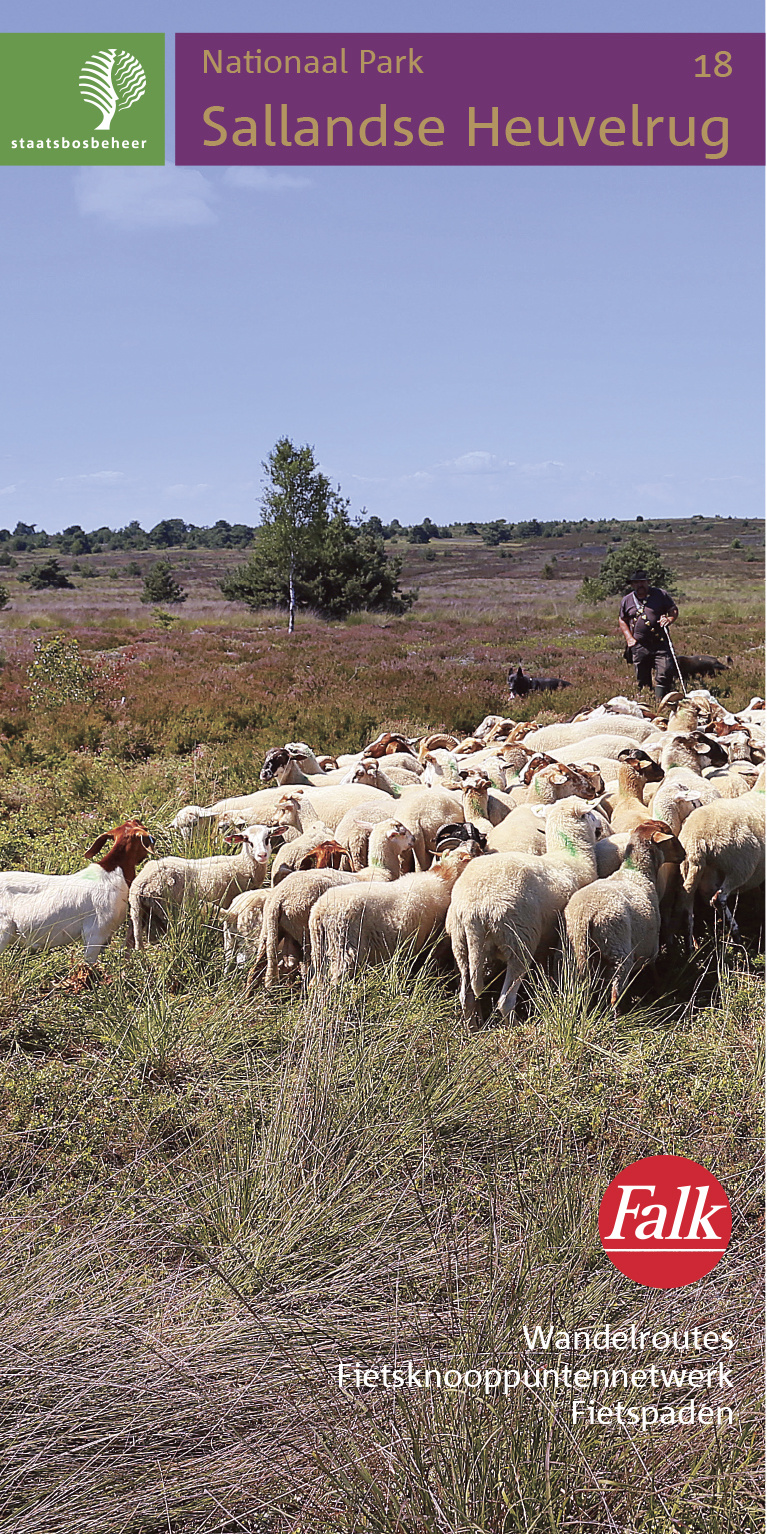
292	599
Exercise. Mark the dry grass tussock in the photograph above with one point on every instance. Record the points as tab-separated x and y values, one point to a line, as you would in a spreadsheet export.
207	1208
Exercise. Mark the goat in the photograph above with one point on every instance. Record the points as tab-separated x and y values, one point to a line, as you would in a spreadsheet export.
52	910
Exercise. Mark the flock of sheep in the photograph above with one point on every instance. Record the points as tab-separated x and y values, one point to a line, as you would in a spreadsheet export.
616	825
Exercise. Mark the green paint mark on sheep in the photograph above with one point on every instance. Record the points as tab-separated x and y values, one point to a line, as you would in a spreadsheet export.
568	844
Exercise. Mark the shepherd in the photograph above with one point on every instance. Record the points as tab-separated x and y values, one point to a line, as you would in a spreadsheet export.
645	614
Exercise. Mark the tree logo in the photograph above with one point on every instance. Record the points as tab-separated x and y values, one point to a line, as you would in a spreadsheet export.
112	80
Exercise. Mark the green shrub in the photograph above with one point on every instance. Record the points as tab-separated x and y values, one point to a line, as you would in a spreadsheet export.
58	674
160	584
46	573
616	570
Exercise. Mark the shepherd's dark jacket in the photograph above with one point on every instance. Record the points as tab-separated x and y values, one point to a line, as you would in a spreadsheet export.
642	618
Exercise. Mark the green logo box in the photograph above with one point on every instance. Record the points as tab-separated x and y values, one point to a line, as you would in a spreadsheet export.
82	98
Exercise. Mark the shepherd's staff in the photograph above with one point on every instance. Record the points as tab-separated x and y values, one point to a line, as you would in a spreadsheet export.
676	662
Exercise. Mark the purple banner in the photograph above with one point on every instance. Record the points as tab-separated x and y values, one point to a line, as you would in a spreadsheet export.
469	98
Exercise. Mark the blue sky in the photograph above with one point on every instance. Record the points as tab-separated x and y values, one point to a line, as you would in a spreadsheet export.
454	342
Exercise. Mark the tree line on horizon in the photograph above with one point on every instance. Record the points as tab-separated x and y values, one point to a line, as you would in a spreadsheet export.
174	532
307	551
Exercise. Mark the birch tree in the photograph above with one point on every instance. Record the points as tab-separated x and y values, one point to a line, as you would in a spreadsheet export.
294	513
308	551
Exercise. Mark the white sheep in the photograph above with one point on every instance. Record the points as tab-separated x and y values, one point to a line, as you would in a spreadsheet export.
724	847
524	830
368	923
243	920
555	780
504	910
481	806
215	880
288	857
618	918
635	770
673	802
241	923
52	910
552	736
286	914
425	811
329	805
259	808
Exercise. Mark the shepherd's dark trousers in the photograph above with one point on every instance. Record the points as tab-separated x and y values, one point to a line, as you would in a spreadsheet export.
647	661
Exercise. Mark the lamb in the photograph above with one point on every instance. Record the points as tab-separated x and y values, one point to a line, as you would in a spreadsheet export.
524	830
619	705
619	917
52	910
504	909
741	773
350	925
682	759
171	880
609	853
286	913
292	765
242	925
440	770
424	811
483	803
558	781
242	921
724	847
673	802
262	808
739	779
290	854
692	749
476	786
353	831
635	770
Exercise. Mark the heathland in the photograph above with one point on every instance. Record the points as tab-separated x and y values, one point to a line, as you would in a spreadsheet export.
208	1203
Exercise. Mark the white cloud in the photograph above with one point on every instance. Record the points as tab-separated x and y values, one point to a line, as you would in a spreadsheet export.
475	463
186	492
146	196
100	478
256	178
8	490
550	468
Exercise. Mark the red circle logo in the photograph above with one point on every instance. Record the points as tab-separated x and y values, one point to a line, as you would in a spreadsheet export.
665	1221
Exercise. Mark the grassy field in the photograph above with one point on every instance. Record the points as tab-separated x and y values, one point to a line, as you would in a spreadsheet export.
208	1203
